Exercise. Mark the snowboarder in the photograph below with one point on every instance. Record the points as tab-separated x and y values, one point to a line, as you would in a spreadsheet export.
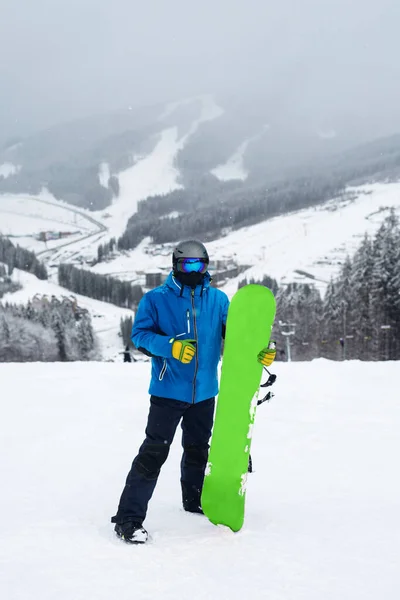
180	325
127	354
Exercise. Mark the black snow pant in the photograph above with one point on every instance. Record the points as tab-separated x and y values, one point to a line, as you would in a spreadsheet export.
163	420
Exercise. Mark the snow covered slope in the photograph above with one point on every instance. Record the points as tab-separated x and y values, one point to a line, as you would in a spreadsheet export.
315	240
24	217
7	169
155	173
105	317
322	519
234	167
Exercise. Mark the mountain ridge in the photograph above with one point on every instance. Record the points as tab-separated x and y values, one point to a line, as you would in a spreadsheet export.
66	158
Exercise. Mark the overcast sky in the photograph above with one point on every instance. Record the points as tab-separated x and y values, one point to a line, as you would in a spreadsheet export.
60	59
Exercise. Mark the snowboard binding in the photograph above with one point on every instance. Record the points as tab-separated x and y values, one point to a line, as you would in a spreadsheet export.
270	381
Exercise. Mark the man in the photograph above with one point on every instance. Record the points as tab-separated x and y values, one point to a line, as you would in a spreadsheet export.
180	325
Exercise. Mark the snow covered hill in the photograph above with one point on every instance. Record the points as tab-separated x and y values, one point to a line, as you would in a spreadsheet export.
152	173
322	518
156	173
105	317
7	169
23	218
314	240
208	132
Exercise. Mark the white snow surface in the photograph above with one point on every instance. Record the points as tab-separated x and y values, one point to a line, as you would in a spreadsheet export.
105	317
7	169
315	240
151	175
322	518
23	216
104	174
234	168
155	173
144	258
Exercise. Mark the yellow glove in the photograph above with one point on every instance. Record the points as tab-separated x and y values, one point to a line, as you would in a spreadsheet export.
184	350
267	356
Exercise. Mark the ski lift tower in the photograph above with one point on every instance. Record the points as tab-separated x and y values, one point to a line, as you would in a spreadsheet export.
287	329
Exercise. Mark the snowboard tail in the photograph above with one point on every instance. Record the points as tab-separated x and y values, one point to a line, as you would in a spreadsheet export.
249	323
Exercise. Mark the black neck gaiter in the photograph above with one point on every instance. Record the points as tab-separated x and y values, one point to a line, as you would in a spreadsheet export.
189	279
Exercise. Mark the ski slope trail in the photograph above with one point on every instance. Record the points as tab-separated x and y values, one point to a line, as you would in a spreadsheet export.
308	245
155	173
23	216
322	518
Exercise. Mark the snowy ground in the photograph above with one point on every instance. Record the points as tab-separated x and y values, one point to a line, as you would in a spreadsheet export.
322	520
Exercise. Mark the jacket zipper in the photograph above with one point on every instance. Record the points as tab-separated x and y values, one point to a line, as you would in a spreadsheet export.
162	372
196	355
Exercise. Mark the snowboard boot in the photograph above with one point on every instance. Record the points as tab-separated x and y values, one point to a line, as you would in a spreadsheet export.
191	498
131	532
193	508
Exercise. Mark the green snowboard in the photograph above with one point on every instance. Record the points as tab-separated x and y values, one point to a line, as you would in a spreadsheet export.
248	329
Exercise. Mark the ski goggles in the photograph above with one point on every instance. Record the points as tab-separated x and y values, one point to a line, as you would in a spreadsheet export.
191	265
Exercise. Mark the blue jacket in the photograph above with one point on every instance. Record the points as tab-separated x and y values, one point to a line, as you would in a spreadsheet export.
170	312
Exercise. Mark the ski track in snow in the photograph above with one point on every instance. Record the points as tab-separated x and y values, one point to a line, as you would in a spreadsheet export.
322	518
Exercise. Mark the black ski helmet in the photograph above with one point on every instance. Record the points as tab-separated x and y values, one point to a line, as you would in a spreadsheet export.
189	249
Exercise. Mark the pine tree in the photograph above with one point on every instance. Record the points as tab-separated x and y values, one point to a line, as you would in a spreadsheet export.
86	338
344	309
384	289
331	332
59	331
126	329
362	314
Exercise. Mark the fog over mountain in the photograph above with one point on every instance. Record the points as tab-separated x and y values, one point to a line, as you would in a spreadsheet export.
331	66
